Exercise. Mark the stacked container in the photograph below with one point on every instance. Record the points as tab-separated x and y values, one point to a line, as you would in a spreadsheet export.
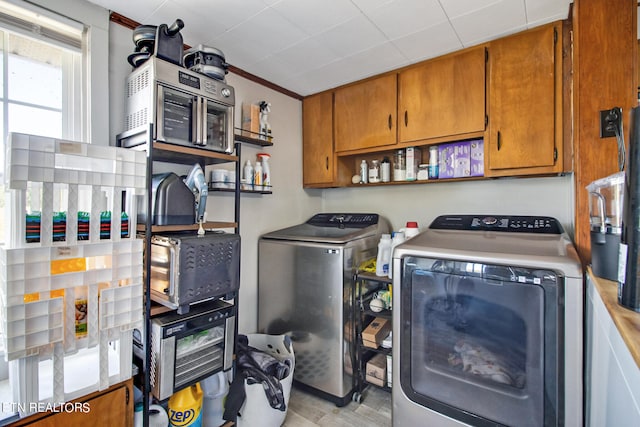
70	303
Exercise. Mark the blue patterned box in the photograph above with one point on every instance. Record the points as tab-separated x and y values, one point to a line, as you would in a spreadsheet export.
461	159
477	157
445	161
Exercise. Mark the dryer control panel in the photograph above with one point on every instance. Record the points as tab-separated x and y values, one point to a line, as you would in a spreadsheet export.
505	223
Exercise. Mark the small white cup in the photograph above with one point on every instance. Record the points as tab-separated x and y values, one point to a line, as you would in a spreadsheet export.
219	175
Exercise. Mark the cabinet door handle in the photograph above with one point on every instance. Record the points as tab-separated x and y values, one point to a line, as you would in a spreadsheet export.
499	141
326	162
390	122
406	118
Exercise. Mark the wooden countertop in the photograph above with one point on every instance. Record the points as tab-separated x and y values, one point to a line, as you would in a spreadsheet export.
627	321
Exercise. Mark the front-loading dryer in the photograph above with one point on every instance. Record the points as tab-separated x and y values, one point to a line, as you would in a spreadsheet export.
487	324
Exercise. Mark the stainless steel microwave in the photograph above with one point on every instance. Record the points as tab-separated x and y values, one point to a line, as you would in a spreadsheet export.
186	108
186	348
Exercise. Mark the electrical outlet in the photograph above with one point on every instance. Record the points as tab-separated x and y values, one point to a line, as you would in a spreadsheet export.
610	120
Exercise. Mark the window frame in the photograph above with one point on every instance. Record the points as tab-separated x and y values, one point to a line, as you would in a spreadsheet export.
92	96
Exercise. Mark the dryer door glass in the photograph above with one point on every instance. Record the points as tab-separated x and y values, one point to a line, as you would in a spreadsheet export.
474	337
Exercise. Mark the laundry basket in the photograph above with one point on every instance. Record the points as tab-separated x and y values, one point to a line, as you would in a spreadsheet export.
256	410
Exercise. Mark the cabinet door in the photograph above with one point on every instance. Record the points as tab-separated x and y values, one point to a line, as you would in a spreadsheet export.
317	140
365	114
114	407
523	108
442	97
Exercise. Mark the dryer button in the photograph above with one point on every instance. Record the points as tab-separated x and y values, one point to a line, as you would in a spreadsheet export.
489	220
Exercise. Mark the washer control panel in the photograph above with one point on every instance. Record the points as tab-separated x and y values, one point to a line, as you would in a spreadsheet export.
511	223
344	220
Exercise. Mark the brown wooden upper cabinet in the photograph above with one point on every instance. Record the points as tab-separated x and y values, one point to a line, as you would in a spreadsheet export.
515	84
524	135
365	114
442	97
317	137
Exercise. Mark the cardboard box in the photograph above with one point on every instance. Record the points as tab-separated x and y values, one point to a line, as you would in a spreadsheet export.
376	371
414	158
251	120
376	332
477	157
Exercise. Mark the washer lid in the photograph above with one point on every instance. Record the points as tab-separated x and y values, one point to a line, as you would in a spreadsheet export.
334	228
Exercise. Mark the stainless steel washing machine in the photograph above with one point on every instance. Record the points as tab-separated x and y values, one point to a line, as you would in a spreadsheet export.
487	324
305	275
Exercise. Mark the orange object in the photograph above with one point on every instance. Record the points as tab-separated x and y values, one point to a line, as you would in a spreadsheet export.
31	297
57	293
68	265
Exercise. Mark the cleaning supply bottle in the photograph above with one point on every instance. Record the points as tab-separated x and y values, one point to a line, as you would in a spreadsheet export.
185	407
158	417
384	250
266	170
214	391
385	170
364	172
398	237
137	414
248	173
410	230
257	175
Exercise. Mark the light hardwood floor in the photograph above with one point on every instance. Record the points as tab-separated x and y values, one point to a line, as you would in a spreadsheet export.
308	410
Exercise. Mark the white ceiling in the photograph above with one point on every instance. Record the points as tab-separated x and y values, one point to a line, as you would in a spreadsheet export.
307	46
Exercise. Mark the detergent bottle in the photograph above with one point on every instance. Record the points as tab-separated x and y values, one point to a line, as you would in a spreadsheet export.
410	230
214	391
398	237
266	170
185	407
384	251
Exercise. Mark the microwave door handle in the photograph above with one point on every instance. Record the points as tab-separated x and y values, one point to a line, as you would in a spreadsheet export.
228	142
196	115
160	113
173	265
204	117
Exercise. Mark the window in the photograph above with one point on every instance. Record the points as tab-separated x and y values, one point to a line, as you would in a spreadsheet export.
45	77
41	75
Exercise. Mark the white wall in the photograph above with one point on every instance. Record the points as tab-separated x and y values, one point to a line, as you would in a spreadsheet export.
549	196
290	204
120	46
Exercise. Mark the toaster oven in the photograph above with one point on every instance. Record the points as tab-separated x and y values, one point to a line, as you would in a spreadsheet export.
186	348
185	107
187	268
